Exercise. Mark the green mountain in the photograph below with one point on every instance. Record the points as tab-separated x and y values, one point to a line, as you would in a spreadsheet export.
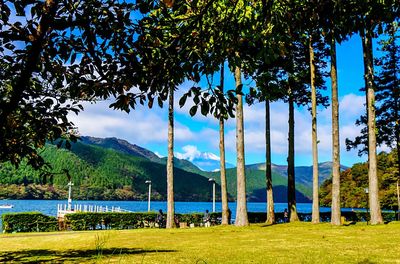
354	180
303	173
99	173
256	185
124	146
112	168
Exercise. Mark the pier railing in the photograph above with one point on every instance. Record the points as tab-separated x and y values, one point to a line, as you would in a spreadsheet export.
62	209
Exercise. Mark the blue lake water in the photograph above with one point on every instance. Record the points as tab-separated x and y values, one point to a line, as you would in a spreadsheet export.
49	207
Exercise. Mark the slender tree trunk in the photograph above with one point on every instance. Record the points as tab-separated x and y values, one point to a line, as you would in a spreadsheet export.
315	206
241	209
291	177
224	193
375	210
396	94
398	200
336	214
170	163
268	168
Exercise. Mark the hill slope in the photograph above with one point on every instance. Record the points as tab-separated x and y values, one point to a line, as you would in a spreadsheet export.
256	185
303	173
112	168
100	173
354	180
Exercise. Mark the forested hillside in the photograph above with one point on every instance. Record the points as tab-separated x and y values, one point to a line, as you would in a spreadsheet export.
98	173
115	169
353	182
256	186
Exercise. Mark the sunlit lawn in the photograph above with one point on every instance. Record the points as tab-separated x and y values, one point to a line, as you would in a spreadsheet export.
283	243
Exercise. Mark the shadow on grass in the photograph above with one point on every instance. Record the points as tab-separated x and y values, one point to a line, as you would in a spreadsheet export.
53	256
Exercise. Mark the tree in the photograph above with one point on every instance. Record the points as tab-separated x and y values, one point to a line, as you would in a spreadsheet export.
241	208
374	205
315	206
55	55
268	167
298	83
224	192
170	163
387	97
336	213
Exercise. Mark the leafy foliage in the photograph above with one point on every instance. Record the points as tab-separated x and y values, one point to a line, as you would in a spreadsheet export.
54	54
355	180
387	96
28	222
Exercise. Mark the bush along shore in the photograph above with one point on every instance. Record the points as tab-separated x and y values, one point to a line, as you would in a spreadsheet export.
38	222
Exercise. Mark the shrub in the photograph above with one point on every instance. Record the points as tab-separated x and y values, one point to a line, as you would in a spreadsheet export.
29	222
91	221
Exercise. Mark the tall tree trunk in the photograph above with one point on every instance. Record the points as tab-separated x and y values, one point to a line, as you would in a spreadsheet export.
291	177
315	206
398	200
224	192
170	162
241	209
268	168
336	214
375	210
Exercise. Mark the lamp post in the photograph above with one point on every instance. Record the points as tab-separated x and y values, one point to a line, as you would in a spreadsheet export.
213	182
148	203
70	184
366	190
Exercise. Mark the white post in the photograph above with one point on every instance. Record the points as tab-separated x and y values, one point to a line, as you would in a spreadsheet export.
148	204
212	180
69	195
214	197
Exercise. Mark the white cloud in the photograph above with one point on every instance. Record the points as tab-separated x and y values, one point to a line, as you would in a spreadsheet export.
190	153
140	126
158	154
145	126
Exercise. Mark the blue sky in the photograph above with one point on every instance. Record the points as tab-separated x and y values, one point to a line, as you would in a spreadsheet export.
193	136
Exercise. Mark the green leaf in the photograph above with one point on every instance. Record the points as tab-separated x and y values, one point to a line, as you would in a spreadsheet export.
182	101
205	107
193	110
160	102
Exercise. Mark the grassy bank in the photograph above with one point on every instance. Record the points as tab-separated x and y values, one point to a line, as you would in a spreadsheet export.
284	243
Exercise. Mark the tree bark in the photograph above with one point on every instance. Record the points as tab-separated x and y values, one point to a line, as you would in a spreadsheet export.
398	200
291	177
241	209
374	204
315	206
268	168
170	162
336	214
224	192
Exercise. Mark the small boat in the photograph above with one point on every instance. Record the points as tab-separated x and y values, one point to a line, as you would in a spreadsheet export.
6	206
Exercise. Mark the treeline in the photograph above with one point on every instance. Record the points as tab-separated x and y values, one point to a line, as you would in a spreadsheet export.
354	181
97	174
142	52
83	192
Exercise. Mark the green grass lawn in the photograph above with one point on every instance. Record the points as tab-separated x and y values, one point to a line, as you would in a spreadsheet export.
283	243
